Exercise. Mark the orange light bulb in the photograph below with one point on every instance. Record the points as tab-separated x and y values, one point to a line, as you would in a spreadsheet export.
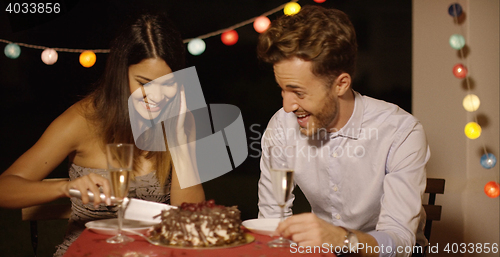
492	189
87	59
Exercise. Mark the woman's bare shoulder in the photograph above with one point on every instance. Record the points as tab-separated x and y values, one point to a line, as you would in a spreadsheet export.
75	114
66	134
75	120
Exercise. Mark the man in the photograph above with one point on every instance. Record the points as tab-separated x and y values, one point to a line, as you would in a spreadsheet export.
361	161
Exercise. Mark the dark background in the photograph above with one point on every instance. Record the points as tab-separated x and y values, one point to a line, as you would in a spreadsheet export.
34	94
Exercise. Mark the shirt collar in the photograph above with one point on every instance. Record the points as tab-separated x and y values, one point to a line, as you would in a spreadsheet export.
352	128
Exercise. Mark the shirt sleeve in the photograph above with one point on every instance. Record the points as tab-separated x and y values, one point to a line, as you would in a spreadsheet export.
268	207
385	243
404	185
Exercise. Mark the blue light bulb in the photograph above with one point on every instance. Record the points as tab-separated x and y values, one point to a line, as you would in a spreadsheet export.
457	41
455	10
12	51
488	160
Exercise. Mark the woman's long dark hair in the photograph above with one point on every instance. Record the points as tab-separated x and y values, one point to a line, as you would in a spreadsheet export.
143	37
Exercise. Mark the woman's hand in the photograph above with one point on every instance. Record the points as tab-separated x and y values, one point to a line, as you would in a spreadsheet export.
184	158
180	129
91	183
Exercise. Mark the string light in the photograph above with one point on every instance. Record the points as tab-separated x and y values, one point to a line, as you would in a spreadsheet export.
472	130
460	71
457	41
49	56
455	10
471	102
492	189
229	37
241	24
12	51
58	49
261	24
87	59
211	34
196	46
488	160
291	8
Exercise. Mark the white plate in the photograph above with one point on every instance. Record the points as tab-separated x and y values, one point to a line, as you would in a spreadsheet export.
110	226
261	226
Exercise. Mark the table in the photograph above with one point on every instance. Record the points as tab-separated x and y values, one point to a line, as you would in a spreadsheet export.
93	244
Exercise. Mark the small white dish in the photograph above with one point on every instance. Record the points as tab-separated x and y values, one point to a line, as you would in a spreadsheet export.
110	226
261	226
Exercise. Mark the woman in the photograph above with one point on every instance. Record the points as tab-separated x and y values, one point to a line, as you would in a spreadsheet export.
146	49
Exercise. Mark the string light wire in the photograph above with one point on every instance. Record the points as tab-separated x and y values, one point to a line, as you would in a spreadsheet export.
211	34
58	49
467	83
241	24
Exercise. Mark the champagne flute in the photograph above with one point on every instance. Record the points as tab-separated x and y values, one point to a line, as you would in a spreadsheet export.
120	160
282	165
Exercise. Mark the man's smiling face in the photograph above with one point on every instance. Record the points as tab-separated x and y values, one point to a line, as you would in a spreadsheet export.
314	103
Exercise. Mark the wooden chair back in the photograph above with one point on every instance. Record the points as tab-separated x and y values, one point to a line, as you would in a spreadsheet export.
433	211
59	209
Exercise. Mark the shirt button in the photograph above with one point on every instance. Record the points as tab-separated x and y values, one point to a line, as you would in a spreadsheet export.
335	188
334	154
337	216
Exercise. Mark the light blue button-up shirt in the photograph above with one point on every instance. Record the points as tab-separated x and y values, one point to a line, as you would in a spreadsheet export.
369	175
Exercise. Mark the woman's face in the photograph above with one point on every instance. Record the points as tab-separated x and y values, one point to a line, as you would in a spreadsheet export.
151	87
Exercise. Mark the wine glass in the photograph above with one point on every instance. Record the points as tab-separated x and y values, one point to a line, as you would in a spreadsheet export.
120	159
282	165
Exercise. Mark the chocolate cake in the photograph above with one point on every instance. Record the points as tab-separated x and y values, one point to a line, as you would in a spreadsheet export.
199	225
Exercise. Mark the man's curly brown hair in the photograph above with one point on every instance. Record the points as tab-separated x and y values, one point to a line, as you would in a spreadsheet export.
326	37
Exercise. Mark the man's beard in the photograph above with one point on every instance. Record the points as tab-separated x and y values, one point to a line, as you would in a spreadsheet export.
319	122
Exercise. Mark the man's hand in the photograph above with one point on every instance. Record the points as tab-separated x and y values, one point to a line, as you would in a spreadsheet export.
307	229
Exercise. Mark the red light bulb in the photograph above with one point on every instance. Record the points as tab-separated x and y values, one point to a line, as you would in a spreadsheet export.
492	189
229	37
460	71
261	24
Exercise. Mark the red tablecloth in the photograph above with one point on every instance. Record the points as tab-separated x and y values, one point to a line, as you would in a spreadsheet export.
90	244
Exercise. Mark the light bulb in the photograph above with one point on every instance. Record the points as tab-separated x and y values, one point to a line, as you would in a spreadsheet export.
196	46
49	56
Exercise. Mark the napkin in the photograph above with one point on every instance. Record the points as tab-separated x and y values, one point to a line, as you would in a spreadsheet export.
145	210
